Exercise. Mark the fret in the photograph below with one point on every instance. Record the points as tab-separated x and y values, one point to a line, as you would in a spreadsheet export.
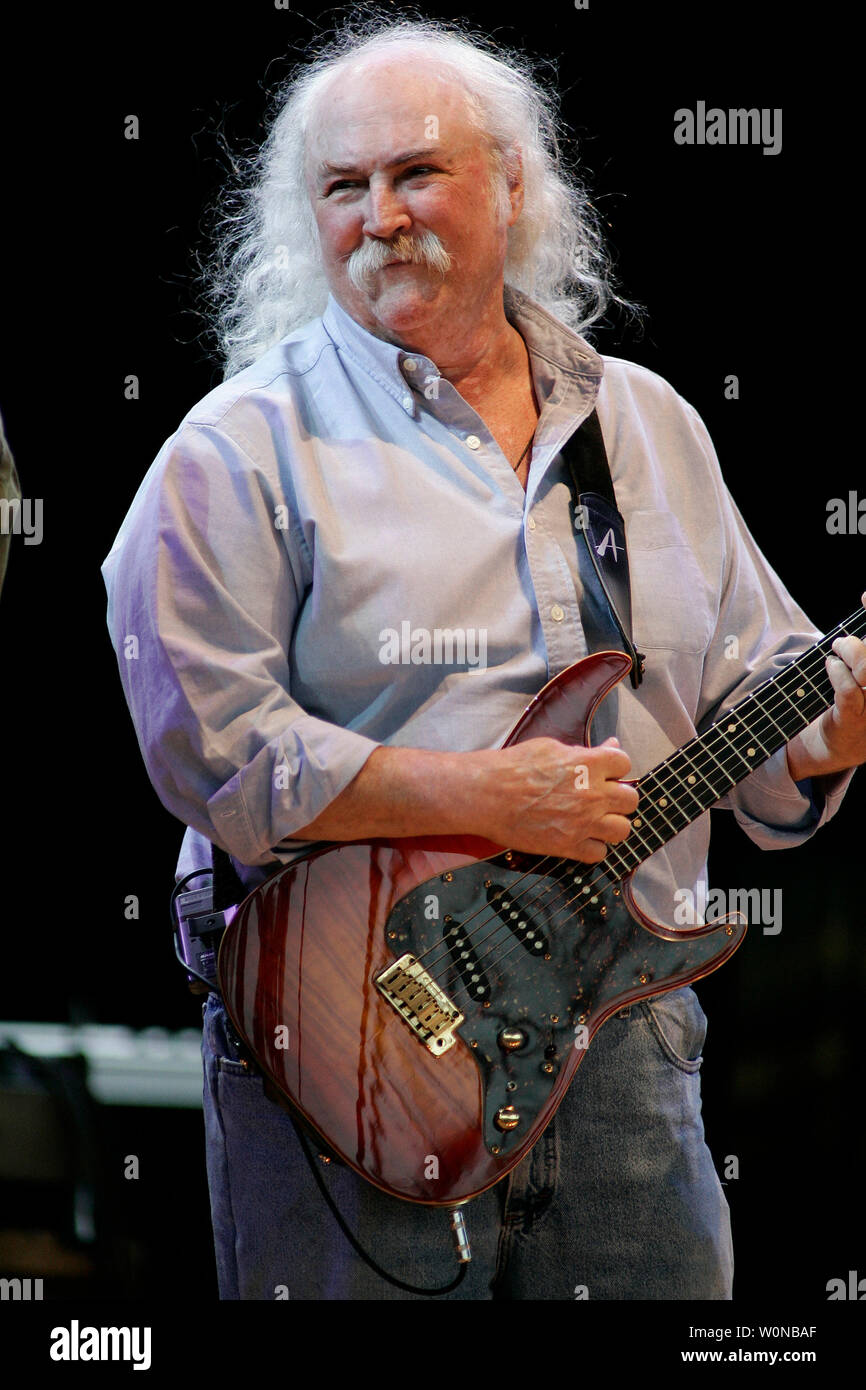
796	708
772	720
617	852
695	769
801	683
735	728
631	848
749	737
723	770
645	824
815	689
746	763
657	806
753	737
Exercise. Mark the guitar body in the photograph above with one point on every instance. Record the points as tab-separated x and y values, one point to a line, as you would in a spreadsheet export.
532	955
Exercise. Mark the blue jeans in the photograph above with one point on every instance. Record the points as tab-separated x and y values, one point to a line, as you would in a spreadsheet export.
619	1199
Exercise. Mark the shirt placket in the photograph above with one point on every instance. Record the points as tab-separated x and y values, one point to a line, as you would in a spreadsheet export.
552	578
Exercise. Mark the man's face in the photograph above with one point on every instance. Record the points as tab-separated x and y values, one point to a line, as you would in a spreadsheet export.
392	154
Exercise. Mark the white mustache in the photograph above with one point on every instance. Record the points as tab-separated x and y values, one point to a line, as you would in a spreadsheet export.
371	256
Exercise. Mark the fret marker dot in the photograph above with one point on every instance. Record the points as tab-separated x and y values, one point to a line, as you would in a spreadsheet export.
663	801
637	821
732	728
800	693
691	777
751	752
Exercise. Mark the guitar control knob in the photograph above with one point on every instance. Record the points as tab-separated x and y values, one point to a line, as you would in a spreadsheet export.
507	1118
511	1039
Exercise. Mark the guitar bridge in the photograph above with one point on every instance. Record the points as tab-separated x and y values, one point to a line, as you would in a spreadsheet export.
421	1003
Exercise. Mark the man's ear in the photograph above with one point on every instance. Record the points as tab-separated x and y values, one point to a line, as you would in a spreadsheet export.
514	175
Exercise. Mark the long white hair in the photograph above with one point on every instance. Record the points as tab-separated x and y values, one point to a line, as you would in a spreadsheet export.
265	275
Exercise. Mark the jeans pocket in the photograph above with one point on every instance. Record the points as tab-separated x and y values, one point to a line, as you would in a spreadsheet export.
679	1025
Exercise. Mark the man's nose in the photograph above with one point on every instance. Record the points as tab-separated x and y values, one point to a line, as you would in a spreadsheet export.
386	213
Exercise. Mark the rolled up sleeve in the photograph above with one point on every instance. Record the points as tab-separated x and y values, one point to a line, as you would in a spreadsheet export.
759	630
204	583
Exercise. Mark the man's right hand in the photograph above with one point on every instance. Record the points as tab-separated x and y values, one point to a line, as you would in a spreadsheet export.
541	796
547	797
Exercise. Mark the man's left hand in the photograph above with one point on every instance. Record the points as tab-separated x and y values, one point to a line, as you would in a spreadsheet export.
837	740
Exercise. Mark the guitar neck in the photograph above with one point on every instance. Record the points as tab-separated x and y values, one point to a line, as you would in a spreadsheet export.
697	775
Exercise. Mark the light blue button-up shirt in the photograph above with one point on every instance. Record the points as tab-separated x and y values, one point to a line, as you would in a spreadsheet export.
332	553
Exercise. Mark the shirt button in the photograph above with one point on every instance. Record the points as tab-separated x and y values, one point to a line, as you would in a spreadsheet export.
557	613
473	441
531	523
410	364
407	401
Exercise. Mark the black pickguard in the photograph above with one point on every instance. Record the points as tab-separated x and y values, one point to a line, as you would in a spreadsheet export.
517	947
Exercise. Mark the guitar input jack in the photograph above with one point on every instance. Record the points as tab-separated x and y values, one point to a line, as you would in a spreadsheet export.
460	1234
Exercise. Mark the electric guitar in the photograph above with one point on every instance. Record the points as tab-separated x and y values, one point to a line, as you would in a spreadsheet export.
424	1003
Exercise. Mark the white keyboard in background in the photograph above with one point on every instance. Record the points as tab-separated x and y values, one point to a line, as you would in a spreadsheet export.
125	1067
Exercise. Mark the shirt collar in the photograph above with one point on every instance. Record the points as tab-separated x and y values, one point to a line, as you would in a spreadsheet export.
382	360
554	349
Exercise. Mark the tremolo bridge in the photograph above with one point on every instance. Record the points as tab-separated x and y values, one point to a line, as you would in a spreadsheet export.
421	1003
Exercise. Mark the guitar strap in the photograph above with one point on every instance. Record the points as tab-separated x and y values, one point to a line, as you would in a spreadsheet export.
603	557
227	887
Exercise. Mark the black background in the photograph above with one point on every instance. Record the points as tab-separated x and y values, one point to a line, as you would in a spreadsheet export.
740	259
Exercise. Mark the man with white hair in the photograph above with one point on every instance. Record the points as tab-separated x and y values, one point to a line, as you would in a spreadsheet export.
399	301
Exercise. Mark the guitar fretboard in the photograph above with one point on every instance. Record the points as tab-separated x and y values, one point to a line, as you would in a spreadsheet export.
697	775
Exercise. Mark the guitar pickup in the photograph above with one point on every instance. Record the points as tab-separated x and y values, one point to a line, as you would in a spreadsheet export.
420	1003
519	921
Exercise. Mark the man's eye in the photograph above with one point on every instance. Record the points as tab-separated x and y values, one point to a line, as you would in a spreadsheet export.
416	171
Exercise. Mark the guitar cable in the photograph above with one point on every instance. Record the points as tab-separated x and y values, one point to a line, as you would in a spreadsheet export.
457	1223
456	1217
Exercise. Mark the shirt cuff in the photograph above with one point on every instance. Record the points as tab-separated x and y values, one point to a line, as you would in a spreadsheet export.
777	812
285	787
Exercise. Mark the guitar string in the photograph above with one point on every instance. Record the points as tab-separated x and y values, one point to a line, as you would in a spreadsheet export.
809	663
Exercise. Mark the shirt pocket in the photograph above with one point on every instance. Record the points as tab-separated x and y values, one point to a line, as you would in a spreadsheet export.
670	603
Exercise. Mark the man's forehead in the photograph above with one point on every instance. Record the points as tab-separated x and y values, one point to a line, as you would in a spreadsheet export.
386	110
